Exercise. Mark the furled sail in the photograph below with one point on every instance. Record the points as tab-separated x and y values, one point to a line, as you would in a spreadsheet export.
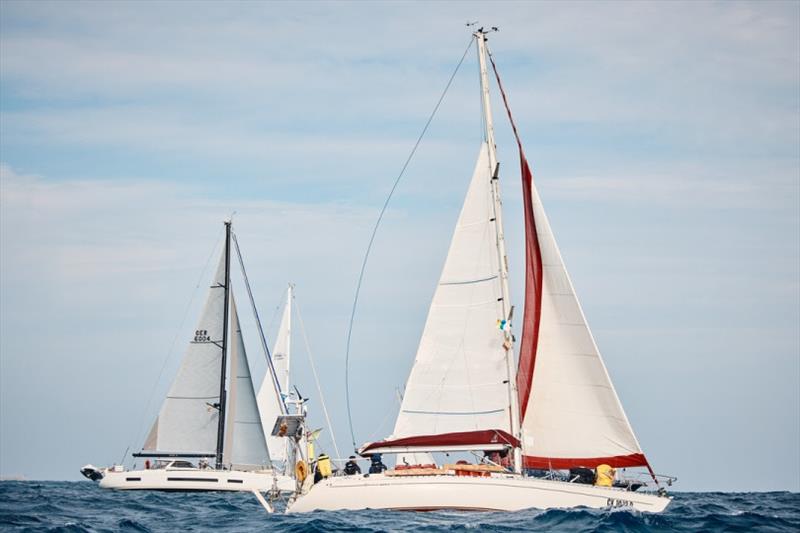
457	392
245	448
268	403
187	422
571	414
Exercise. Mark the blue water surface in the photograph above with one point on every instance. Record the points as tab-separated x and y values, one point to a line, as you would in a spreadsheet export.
83	506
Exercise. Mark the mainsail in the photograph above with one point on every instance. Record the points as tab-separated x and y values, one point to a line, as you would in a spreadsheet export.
457	392
571	414
188	420
245	447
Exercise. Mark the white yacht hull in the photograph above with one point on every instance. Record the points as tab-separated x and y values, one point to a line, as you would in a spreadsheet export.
186	479
496	493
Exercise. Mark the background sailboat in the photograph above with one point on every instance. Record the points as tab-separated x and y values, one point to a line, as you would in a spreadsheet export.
210	413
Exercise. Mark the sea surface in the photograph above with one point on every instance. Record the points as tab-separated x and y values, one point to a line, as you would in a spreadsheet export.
83	506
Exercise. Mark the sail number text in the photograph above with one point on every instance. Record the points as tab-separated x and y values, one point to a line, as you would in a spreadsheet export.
614	502
201	335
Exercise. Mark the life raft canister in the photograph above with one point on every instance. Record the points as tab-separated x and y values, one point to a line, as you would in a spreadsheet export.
605	476
301	471
324	465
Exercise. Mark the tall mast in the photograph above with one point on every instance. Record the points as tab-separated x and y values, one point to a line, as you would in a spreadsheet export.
226	305
513	399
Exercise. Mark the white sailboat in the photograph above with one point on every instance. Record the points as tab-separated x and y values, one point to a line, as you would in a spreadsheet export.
206	415
556	410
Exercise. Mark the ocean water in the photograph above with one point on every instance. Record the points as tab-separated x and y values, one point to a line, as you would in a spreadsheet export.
83	506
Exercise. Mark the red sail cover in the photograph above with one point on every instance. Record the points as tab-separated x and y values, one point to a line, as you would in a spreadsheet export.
462	438
531	322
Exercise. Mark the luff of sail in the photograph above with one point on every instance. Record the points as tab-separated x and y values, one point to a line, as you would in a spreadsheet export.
188	419
571	413
456	394
245	448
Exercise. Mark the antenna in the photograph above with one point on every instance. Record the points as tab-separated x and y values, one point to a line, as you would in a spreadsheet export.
470	24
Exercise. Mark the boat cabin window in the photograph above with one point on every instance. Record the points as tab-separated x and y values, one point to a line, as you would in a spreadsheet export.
181	464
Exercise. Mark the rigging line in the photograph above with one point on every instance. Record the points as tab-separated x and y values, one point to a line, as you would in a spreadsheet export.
375	231
316	379
174	340
264	347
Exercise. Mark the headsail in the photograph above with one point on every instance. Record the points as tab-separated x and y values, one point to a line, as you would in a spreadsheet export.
188	419
456	394
282	348
571	413
245	447
267	398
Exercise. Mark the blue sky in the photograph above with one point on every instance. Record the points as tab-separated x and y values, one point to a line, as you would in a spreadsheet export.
664	139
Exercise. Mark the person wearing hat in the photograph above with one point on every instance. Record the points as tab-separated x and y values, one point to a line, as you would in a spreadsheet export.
377	466
351	468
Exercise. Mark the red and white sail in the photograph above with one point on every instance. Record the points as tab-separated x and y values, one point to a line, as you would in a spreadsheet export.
571	414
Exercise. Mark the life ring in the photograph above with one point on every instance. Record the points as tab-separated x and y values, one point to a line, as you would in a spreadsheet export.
301	471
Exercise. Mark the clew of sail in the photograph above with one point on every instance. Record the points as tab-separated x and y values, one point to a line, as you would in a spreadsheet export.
245	448
571	414
456	394
188	419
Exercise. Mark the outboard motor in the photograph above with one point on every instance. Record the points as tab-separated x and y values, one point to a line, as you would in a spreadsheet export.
92	472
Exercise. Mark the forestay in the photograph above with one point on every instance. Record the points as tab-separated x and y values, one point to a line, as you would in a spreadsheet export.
188	419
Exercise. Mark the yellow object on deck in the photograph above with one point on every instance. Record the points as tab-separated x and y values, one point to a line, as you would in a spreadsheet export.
605	476
310	451
324	465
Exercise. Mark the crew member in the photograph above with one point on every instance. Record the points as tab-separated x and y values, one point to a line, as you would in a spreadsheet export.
377	465
351	468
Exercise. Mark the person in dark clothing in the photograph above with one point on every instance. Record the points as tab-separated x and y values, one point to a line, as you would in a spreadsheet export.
351	468
317	474
377	465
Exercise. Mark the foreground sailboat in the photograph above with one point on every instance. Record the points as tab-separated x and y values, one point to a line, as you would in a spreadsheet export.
555	416
206	416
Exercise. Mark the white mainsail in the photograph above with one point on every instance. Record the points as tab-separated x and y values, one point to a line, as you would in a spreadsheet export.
457	383
268	402
188	419
245	448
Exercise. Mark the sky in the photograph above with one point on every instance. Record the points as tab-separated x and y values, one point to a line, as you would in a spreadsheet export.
664	139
